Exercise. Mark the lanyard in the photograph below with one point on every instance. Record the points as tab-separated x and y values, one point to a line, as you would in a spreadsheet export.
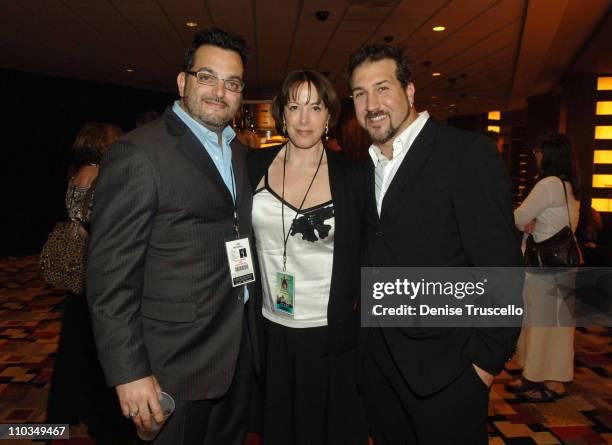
234	201
286	236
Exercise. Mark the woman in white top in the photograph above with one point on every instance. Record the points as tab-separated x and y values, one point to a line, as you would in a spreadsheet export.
306	220
546	345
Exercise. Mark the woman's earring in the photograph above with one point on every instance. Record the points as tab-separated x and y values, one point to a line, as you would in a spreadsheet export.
327	131
284	127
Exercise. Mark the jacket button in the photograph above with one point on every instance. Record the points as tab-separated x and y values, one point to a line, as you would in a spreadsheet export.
379	233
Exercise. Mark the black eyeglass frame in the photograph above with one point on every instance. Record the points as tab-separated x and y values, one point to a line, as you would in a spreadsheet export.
196	75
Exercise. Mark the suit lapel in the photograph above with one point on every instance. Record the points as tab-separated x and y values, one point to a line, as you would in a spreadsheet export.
239	168
410	167
191	148
370	192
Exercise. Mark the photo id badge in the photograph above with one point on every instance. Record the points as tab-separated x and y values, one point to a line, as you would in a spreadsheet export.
240	261
285	292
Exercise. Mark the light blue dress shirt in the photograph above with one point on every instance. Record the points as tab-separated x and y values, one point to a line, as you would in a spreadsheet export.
220	155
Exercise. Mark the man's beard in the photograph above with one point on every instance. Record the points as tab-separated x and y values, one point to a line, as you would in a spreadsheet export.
391	131
209	120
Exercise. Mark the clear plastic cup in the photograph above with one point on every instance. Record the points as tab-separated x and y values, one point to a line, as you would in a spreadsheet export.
167	406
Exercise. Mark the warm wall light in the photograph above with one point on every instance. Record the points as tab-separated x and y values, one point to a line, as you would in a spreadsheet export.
604	83
602	204
603	108
602	157
602	181
494	115
439	28
191	24
494	128
130	70
603	132
436	74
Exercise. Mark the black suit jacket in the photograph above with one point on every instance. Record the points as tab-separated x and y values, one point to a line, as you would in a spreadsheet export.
346	184
449	205
158	281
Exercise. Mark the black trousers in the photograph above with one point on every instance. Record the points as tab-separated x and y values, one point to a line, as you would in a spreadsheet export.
456	415
78	390
221	421
311	395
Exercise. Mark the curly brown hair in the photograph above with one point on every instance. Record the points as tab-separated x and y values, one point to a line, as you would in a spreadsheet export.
93	140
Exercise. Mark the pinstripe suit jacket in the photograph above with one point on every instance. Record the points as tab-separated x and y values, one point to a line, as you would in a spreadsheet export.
158	283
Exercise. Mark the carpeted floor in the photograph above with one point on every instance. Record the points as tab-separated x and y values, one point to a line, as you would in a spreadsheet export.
30	314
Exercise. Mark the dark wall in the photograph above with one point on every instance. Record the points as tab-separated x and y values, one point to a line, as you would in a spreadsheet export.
42	115
476	123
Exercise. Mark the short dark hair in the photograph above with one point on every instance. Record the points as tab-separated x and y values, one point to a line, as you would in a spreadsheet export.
289	89
93	140
219	38
558	160
380	51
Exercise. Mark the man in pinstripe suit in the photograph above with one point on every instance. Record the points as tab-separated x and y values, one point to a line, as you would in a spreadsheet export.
164	311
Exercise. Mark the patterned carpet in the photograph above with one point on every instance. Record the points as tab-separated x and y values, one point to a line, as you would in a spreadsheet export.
30	313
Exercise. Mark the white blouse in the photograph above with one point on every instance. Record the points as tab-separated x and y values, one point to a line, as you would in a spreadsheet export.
310	250
546	204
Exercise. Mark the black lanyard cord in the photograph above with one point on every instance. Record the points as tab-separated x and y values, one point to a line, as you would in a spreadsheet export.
235	202
286	235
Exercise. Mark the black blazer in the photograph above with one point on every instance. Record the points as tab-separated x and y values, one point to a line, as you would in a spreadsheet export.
158	282
346	183
449	204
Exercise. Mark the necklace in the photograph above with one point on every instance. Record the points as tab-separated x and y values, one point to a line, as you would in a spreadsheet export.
286	235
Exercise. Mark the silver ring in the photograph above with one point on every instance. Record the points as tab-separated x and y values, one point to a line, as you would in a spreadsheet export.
133	414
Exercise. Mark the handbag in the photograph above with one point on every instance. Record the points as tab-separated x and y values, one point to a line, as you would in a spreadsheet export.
63	258
560	250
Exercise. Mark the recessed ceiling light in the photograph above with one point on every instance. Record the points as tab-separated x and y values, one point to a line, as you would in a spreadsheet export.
434	97
452	105
191	24
439	28
130	70
436	74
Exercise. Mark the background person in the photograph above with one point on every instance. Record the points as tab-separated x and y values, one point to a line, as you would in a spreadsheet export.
546	350
78	391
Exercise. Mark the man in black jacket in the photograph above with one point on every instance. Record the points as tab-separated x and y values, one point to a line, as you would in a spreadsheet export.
437	197
171	197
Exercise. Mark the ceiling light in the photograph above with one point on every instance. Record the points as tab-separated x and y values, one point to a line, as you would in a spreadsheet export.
452	105
436	74
191	24
439	28
130	70
434	97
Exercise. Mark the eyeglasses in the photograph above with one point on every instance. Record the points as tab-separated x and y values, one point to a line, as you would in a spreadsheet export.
233	85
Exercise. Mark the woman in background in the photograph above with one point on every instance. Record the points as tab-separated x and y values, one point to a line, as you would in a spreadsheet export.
546	344
306	220
78	391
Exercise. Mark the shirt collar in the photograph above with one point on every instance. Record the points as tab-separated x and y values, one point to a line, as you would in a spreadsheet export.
228	134
403	141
